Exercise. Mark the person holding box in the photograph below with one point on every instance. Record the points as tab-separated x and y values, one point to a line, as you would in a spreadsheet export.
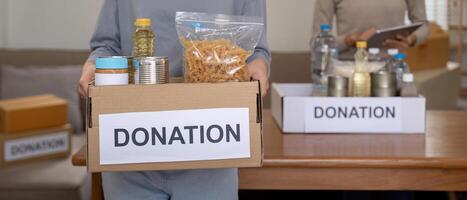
357	20
113	37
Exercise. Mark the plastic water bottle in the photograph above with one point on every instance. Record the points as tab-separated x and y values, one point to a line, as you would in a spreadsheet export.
400	67
375	55
390	60
323	55
361	80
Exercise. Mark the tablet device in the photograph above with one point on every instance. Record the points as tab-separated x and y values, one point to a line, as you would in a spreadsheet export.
390	33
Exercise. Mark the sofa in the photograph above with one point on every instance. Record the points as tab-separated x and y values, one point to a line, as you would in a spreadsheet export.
31	72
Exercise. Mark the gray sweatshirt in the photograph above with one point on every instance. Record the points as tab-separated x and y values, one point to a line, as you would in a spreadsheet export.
113	35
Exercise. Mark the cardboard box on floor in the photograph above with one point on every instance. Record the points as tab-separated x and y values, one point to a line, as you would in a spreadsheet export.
31	113
123	122
33	146
431	54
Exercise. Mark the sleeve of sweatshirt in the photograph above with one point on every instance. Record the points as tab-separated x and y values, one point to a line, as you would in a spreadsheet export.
258	8
417	13
106	38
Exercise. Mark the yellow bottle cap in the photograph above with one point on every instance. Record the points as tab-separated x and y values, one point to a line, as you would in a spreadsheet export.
143	22
361	44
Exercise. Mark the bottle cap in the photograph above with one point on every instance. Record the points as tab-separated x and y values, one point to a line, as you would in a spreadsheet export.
143	22
400	56
407	77
373	51
361	44
325	27
393	52
112	63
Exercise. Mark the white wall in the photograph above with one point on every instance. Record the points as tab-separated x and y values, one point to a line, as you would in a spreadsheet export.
290	24
69	24
3	19
55	24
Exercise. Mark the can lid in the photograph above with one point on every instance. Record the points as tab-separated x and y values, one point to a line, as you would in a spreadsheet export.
407	77
112	63
361	44
373	51
393	52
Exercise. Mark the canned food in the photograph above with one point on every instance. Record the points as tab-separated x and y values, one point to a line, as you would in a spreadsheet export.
153	70
338	86
111	71
383	84
383	79
136	69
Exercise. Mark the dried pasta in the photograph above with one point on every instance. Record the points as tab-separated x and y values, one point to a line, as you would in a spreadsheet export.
210	61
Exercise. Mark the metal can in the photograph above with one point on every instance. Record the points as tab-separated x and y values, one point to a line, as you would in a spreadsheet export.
136	62
338	86
383	84
111	71
153	70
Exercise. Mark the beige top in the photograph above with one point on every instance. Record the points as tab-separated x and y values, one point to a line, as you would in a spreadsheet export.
353	16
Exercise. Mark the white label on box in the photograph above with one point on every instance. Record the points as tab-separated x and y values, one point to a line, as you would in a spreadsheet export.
28	147
170	136
357	115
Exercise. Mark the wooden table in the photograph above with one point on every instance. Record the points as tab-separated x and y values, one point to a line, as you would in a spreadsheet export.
436	161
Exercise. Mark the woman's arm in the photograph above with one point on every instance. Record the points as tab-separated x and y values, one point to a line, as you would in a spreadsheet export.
417	13
259	62
104	42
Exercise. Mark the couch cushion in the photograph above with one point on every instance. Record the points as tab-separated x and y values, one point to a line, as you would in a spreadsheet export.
61	81
53	179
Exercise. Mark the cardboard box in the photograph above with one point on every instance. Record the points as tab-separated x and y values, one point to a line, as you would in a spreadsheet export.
30	113
431	54
174	126
297	112
440	86
35	146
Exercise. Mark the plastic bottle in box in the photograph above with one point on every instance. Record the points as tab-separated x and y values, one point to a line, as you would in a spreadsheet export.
323	54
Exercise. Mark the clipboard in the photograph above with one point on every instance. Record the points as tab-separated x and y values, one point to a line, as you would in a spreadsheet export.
389	33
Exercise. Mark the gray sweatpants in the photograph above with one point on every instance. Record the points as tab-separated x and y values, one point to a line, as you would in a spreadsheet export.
211	184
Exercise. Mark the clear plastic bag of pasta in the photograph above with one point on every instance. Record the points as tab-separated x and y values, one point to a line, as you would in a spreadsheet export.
216	47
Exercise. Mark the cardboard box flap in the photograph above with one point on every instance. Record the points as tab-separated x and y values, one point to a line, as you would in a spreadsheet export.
147	98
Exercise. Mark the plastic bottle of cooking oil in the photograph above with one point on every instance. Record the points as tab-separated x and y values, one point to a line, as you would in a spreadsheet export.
361	80
143	38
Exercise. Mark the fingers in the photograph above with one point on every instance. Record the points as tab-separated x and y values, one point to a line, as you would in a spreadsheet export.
401	45
258	70
87	76
367	34
264	83
264	87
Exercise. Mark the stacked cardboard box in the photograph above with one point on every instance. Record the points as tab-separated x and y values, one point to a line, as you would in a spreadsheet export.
33	128
431	54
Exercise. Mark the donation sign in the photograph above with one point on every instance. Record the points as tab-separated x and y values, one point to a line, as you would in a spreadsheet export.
358	115
170	136
41	145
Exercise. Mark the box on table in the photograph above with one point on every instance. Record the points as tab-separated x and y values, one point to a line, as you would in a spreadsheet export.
30	113
297	112
174	126
38	145
432	53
